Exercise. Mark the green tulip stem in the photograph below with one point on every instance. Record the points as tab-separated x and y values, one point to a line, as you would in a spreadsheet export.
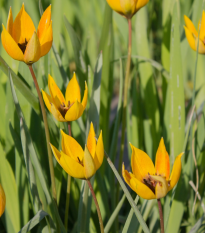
97	206
50	158
68	189
126	88
160	215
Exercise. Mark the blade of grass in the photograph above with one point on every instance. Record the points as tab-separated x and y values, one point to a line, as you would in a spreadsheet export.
35	221
35	161
130	223
114	214
126	192
21	86
106	46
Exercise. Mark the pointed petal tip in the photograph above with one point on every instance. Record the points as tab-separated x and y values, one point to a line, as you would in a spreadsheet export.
131	145
61	131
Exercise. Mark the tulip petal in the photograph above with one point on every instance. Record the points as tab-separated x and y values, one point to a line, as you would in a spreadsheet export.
176	171
74	112
190	26
162	165
85	97
140	4
51	107
91	141
33	50
201	48
55	92
161	188
141	164
115	5
46	41
44	23
73	91
70	166
10	22
10	46
190	38
23	27
202	29
71	147
128	7
141	189
89	164
99	155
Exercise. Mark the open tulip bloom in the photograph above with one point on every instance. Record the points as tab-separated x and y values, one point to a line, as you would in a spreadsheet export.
69	108
127	8
21	40
151	182
76	162
192	34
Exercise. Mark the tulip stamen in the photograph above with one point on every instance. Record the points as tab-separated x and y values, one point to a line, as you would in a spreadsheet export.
151	183
23	46
81	163
63	108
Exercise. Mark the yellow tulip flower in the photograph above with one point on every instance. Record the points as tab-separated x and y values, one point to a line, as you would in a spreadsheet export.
76	162
151	182
2	200
69	108
127	8
20	39
192	34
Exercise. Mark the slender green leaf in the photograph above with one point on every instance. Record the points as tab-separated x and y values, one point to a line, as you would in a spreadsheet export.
114	214
35	161
35	221
130	224
177	114
197	226
149	94
21	86
8	183
129	198
106	46
76	45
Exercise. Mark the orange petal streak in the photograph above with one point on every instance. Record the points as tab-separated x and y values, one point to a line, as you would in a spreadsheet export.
23	27
44	22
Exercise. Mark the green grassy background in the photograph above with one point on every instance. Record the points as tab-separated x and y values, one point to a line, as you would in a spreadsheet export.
165	74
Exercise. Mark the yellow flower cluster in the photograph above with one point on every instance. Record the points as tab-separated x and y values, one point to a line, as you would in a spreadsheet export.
22	42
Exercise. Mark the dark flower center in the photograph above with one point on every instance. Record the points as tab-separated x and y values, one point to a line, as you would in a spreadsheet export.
63	108
151	183
23	46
